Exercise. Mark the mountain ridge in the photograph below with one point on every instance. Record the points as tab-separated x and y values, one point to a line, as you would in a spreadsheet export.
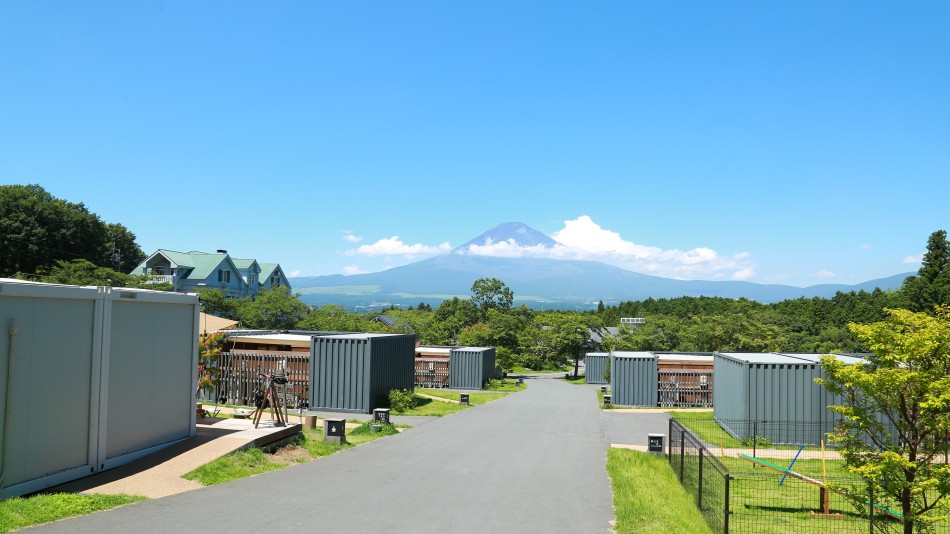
540	280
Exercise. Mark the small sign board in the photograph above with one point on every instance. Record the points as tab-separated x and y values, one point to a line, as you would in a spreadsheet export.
381	415
656	442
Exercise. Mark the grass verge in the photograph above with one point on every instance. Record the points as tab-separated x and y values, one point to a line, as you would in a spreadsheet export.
581	379
520	370
705	427
507	386
21	512
306	447
647	496
473	398
432	408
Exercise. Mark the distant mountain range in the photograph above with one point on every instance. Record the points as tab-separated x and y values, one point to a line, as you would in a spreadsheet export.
540	283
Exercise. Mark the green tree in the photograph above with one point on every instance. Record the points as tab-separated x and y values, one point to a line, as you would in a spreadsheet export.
931	286
450	318
333	318
86	273
491	294
660	332
555	338
215	302
273	309
37	229
737	332
896	410
123	253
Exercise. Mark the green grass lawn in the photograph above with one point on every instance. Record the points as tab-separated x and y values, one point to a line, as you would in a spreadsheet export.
581	379
22	512
519	370
475	397
308	446
433	408
648	497
507	385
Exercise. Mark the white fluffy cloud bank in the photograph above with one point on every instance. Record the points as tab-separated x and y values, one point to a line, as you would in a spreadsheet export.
394	246
584	239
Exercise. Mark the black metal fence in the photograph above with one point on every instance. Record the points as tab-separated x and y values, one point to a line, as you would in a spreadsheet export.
753	486
705	477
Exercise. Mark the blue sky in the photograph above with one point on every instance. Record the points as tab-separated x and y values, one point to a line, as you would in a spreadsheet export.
796	142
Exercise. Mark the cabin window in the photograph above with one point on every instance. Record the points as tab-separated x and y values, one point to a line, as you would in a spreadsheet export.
224	275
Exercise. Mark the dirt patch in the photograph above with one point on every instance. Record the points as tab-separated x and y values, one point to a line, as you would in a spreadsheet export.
290	454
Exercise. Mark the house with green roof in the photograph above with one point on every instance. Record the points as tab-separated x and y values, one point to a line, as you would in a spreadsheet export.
272	276
191	271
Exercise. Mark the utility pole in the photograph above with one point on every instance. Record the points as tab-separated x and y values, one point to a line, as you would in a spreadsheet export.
116	256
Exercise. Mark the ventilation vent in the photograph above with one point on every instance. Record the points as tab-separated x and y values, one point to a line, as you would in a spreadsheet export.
128	295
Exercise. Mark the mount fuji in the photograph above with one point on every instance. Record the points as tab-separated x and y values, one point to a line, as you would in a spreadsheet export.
536	281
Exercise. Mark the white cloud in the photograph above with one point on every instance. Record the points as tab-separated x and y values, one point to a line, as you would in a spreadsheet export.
866	246
743	274
353	269
394	246
913	260
348	236
824	273
584	239
294	274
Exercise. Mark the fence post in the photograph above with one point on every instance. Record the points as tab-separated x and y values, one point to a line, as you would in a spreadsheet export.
699	487
870	507
669	441
726	512
682	452
755	433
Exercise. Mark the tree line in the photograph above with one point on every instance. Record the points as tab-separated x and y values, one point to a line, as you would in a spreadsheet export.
57	241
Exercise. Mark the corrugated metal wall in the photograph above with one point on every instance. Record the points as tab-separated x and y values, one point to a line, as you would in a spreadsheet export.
354	372
114	368
471	367
773	393
633	380
731	391
393	367
595	365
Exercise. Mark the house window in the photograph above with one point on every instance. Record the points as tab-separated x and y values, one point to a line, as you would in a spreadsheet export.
159	270
224	276
275	281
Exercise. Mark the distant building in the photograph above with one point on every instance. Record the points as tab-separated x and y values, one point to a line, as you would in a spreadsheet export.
632	322
190	271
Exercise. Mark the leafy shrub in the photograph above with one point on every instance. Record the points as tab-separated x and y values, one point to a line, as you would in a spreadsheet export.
387	429
401	400
757	441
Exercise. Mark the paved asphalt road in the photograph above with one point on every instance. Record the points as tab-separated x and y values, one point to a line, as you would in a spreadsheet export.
531	462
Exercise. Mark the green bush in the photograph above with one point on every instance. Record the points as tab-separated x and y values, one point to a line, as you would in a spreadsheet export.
401	400
757	441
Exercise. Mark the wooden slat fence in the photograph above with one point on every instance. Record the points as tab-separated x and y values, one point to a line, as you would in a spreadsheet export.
685	388
432	372
240	380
